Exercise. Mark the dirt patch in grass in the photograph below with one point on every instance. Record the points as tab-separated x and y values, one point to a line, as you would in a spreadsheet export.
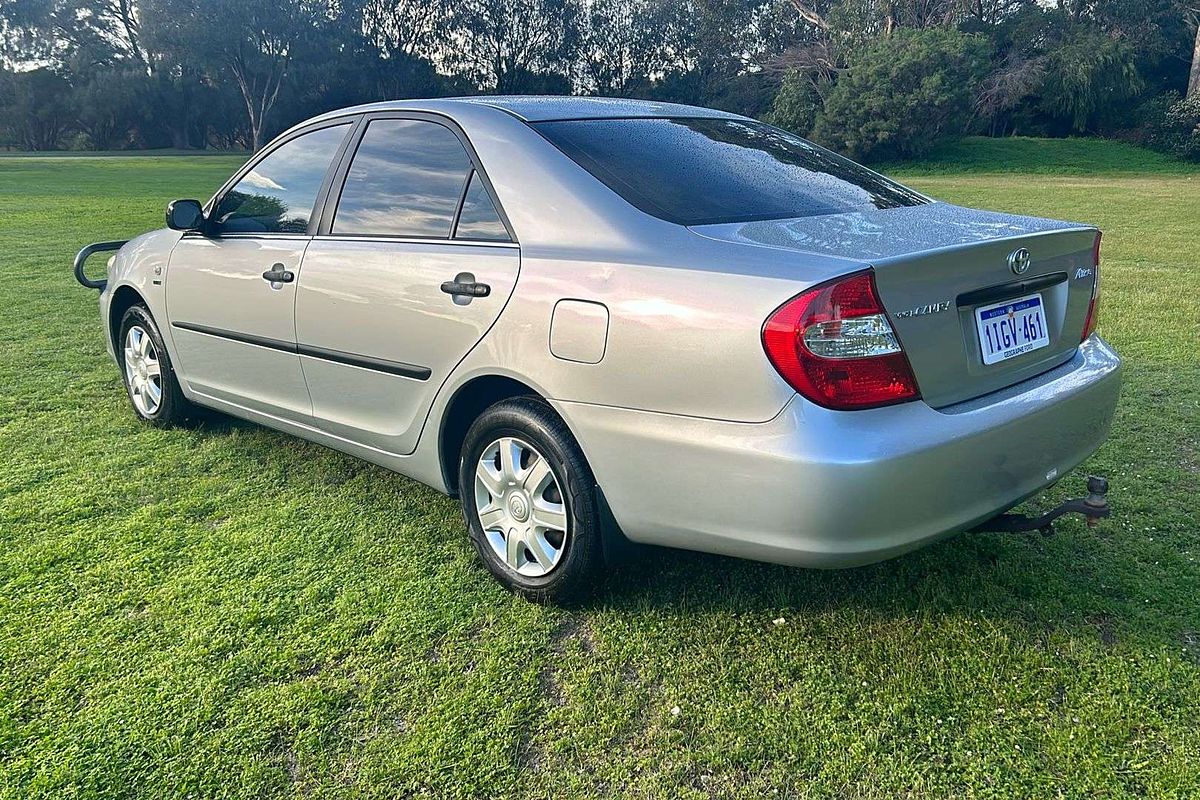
1106	628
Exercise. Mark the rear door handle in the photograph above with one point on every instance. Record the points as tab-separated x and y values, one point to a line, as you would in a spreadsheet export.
464	286
277	274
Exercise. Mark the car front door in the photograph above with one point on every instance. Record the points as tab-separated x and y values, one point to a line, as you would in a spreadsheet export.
384	308
231	288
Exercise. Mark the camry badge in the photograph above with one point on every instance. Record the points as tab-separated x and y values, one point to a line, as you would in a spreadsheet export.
928	308
1018	261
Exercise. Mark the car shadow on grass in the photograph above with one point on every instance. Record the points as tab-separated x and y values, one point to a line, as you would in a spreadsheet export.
1086	581
1079	581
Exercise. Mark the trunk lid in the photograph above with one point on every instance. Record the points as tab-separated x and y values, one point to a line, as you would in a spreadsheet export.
935	265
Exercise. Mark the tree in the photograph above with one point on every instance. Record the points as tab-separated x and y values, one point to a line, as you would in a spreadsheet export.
1089	75
903	94
403	27
109	106
797	104
93	32
1193	88
505	44
34	109
251	43
624	43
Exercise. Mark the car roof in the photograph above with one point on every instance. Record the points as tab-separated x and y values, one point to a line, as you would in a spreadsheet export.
543	108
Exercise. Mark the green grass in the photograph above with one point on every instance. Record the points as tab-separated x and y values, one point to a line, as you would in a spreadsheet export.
1021	154
165	151
229	612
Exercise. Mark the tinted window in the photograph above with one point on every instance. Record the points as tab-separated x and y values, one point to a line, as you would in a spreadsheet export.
479	218
278	194
405	180
700	171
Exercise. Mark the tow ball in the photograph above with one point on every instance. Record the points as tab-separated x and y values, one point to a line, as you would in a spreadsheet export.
1094	508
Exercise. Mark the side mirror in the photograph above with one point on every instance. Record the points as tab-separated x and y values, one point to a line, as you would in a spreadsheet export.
185	215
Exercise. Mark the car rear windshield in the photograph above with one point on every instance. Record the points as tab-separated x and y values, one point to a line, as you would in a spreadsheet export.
700	171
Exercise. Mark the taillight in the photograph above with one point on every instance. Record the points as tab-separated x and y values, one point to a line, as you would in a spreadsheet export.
1093	314
835	346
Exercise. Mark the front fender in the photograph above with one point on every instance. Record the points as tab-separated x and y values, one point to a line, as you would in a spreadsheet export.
139	267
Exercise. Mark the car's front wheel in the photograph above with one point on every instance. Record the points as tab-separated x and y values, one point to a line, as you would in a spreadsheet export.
528	498
149	377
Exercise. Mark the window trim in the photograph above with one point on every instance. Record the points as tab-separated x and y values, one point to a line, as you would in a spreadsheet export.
462	201
353	121
338	184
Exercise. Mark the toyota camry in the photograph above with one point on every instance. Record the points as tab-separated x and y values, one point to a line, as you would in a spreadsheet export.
593	319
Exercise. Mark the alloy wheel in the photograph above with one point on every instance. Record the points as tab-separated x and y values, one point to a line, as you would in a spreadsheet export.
143	371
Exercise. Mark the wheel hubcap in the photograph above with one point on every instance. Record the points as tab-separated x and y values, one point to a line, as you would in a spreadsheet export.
519	504
142	371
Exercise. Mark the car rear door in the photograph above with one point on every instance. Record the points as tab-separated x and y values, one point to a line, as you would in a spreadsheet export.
231	288
412	264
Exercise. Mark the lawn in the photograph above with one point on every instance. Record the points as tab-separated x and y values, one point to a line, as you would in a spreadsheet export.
229	612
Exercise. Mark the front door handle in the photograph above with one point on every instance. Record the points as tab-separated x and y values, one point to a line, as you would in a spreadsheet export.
277	274
464	288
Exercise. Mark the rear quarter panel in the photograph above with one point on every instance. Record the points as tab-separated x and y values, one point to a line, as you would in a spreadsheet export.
683	336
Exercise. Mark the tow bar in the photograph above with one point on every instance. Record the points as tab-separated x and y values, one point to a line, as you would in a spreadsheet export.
1094	507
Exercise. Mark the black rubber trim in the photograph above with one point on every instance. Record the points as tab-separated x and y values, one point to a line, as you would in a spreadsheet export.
365	362
261	341
1006	290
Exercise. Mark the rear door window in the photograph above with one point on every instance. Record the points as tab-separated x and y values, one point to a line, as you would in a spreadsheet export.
406	179
479	218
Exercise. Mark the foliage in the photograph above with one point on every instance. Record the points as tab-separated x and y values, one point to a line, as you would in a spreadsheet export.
34	110
1089	75
623	43
512	46
903	93
224	73
797	104
1171	124
1183	117
109	106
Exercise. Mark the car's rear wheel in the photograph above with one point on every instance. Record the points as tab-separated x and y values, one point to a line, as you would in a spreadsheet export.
527	496
149	377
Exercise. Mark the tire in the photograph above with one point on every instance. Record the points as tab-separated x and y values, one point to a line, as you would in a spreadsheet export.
542	563
146	368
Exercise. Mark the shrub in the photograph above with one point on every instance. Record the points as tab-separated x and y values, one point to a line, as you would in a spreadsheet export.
903	94
1169	124
796	104
1089	78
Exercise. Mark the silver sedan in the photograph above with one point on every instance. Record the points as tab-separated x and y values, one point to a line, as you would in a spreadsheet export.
594	319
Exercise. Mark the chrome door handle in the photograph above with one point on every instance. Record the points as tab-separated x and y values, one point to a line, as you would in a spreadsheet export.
277	274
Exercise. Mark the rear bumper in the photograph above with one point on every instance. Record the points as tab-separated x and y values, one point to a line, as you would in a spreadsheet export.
820	488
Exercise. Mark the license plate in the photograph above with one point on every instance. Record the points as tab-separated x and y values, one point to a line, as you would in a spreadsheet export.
1008	329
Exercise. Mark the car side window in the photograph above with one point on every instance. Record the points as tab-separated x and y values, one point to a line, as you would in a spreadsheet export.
479	218
277	195
406	179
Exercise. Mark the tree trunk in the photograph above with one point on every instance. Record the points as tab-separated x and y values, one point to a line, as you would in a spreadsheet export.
1193	89
179	136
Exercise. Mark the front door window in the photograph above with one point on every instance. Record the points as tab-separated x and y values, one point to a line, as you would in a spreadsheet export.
278	194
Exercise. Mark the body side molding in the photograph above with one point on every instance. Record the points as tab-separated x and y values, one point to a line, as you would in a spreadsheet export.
312	351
